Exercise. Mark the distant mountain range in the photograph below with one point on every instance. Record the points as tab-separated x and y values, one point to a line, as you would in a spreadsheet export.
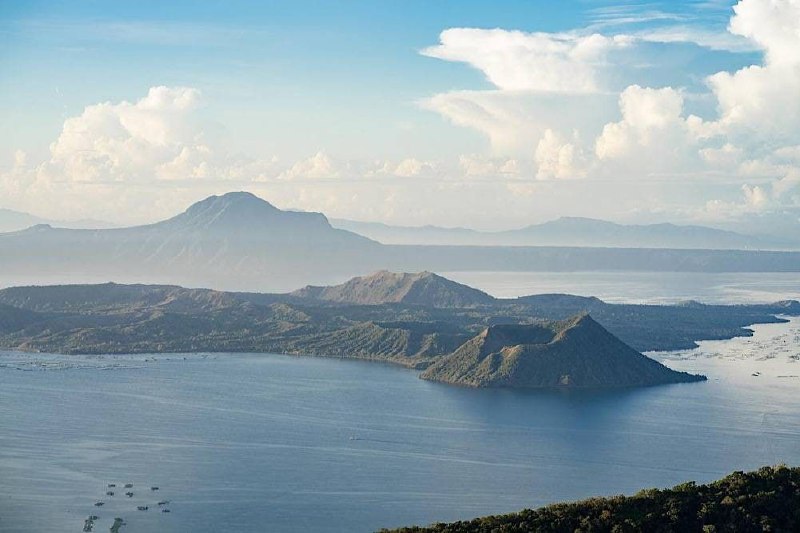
565	231
235	240
238	241
573	231
11	220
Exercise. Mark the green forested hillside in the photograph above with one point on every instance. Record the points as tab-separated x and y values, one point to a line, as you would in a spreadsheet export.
765	500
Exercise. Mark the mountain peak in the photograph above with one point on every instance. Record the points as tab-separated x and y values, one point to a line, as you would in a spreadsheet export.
582	319
244	212
237	197
216	205
37	228
418	288
577	352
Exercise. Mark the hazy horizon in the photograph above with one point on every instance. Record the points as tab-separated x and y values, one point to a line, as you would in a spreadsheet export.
458	114
92	223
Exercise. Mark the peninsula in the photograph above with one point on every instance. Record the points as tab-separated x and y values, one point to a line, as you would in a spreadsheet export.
456	334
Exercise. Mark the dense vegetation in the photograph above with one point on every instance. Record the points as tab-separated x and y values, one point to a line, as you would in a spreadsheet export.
765	500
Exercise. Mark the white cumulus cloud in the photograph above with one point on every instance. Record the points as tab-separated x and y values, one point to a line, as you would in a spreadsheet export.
559	158
652	124
519	61
113	142
761	101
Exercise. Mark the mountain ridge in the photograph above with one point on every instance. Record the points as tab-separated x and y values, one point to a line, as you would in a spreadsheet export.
511	351
239	212
422	288
563	231
118	318
571	231
238	241
232	239
11	221
573	353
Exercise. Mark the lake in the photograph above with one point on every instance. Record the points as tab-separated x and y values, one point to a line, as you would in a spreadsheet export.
641	287
278	443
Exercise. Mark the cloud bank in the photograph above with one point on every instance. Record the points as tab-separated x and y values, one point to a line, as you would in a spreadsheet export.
755	118
573	125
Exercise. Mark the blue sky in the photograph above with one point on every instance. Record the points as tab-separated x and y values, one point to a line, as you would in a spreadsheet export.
308	97
327	74
325	61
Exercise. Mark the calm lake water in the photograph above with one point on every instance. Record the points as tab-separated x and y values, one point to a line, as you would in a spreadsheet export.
256	443
641	287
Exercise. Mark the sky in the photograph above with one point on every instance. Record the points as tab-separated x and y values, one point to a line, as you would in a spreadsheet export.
489	115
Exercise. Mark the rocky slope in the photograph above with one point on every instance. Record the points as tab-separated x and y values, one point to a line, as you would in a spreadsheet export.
422	288
575	353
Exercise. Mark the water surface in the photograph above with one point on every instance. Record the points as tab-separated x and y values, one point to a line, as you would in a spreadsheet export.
275	443
641	287
279	443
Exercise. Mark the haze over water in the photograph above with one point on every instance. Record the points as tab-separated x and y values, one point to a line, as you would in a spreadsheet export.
278	443
641	287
